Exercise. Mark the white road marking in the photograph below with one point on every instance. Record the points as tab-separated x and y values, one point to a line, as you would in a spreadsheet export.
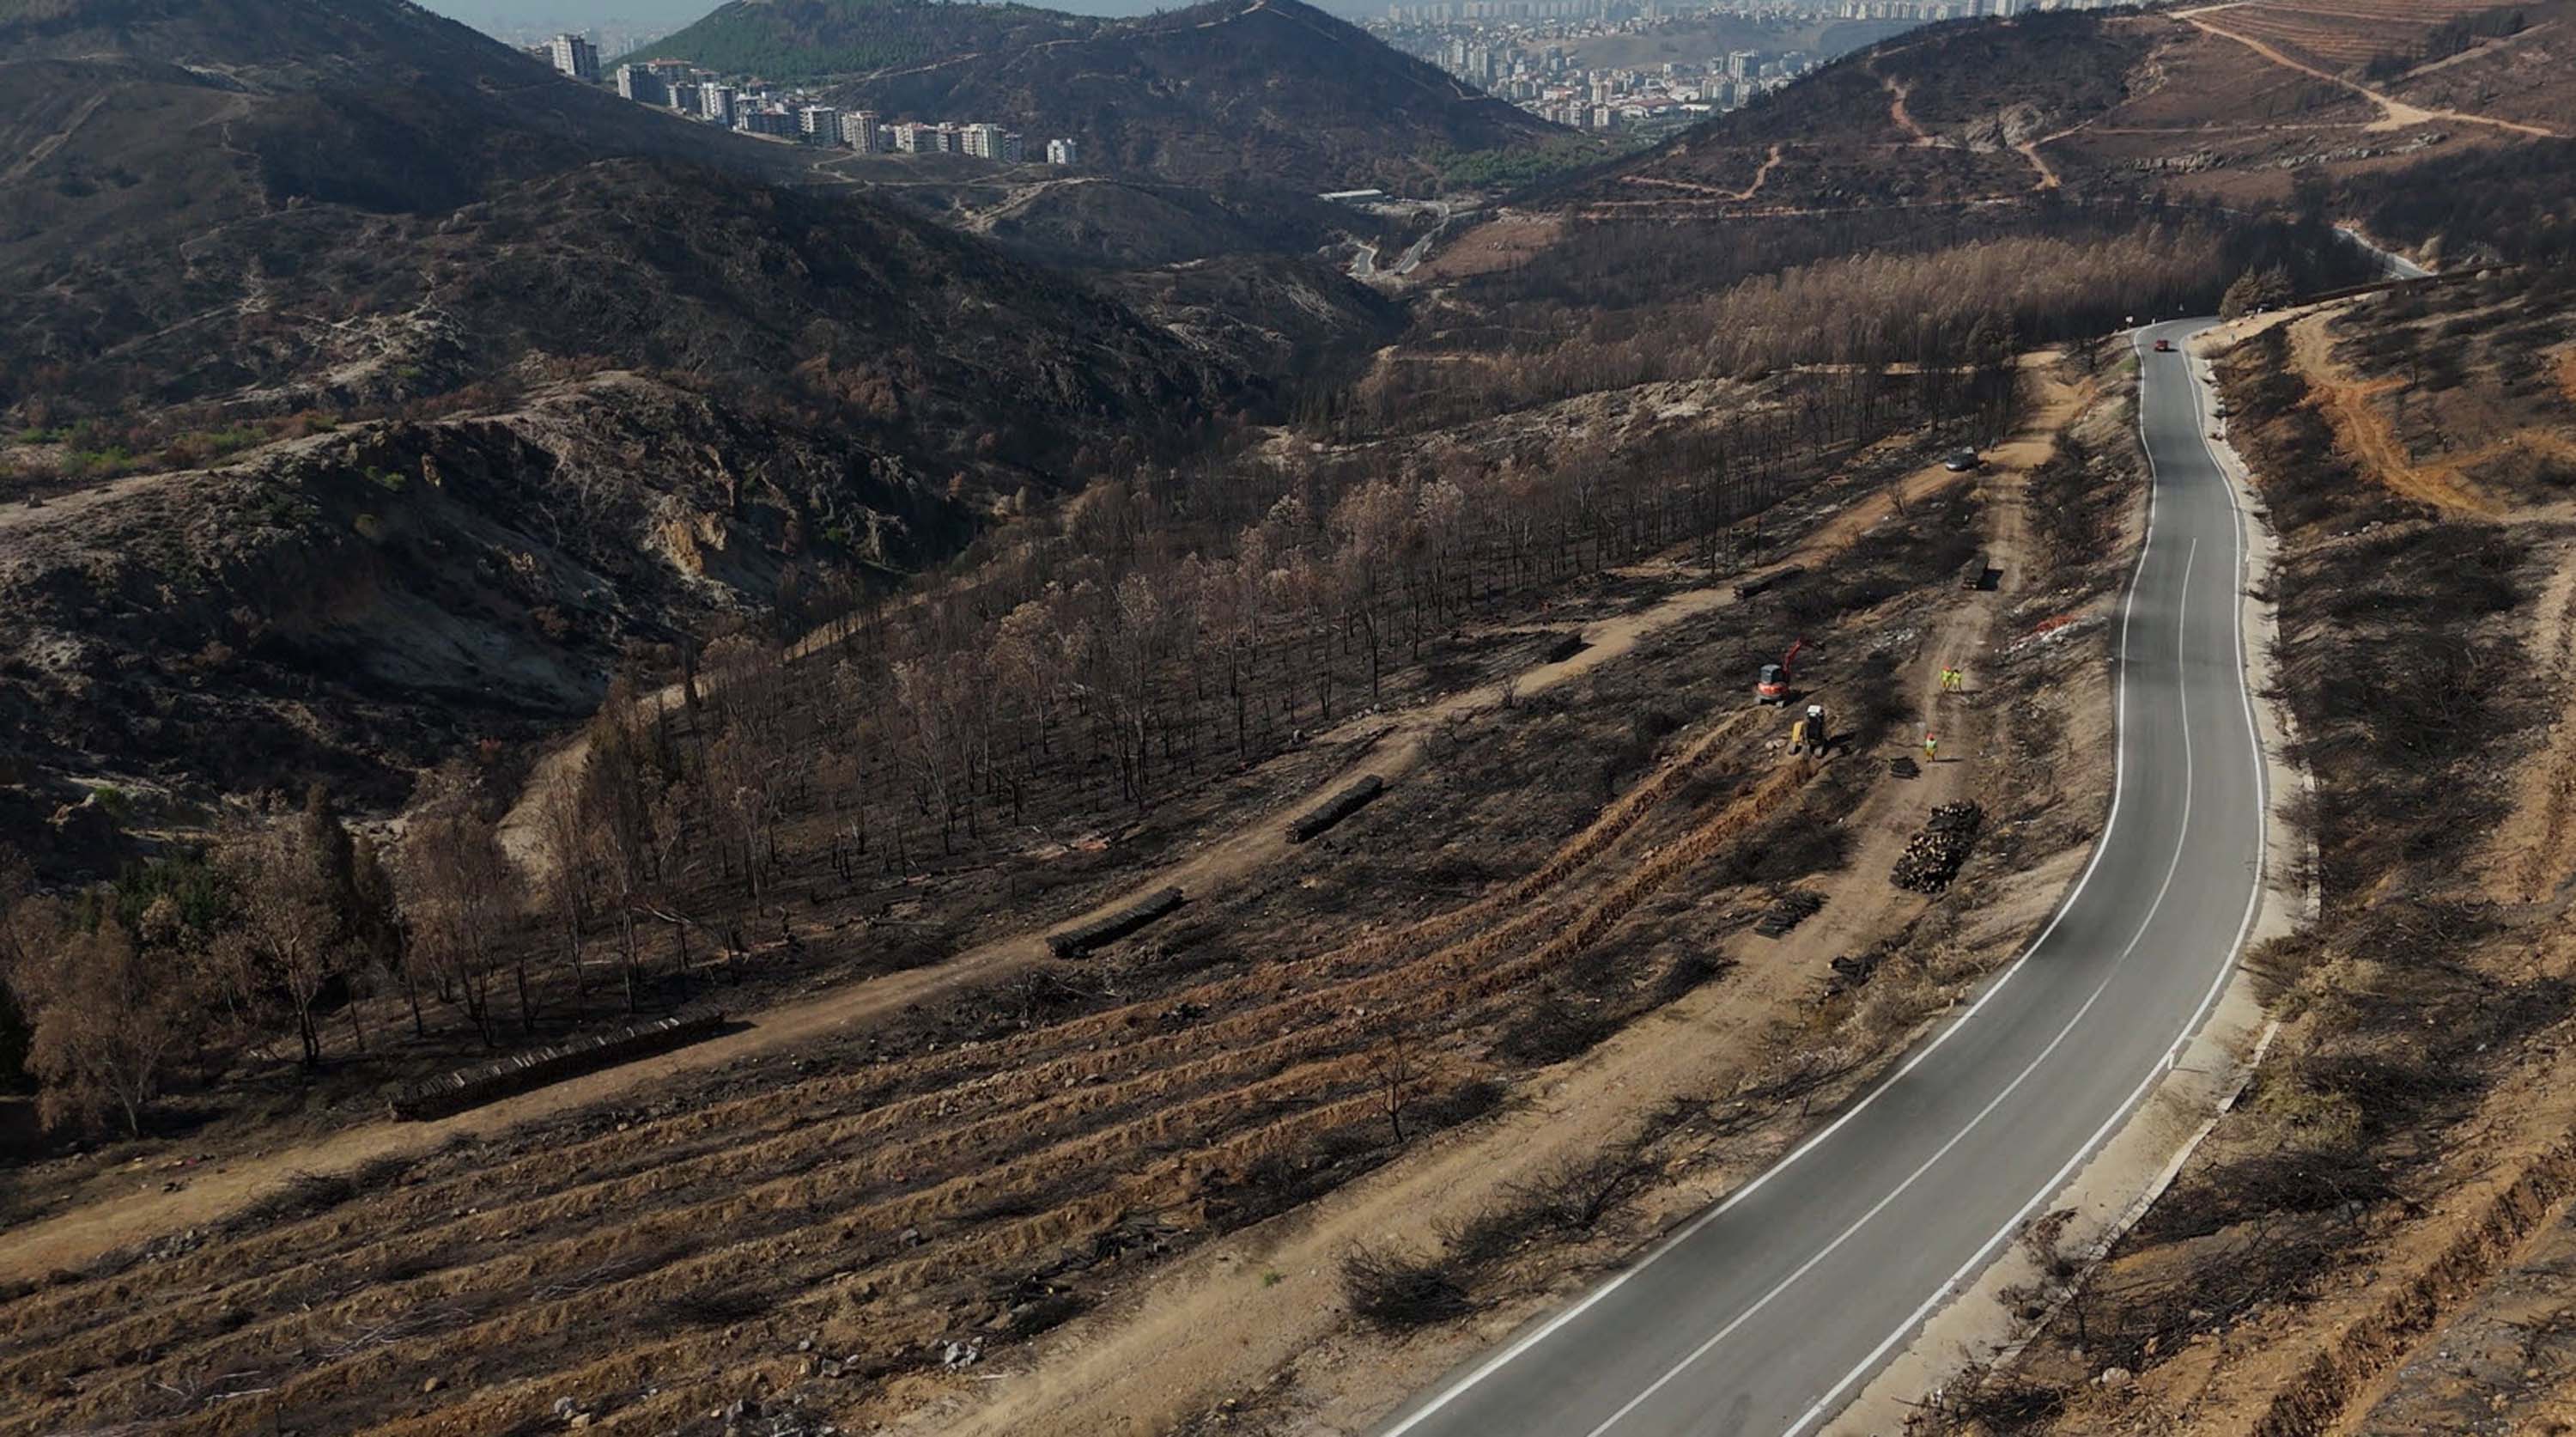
2218	983
2119	773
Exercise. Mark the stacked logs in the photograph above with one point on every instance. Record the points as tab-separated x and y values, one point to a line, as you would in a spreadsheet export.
1342	805
1932	857
1077	941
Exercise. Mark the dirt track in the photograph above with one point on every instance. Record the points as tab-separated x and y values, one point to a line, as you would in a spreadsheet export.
73	1237
2394	114
1268	1302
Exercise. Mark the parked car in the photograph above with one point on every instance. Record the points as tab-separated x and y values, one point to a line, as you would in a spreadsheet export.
1960	461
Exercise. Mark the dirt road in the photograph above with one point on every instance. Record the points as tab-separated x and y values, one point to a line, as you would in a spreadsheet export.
1268	1300
2394	114
77	1235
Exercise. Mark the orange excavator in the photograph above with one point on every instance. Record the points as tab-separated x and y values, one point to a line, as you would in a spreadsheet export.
1771	686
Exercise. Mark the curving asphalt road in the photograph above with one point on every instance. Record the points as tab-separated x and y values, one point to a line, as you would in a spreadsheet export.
1768	1311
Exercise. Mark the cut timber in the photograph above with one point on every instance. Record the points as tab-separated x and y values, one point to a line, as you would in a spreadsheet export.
521	1072
1566	647
1904	766
1074	942
1788	911
1342	805
1854	969
1932	857
1768	582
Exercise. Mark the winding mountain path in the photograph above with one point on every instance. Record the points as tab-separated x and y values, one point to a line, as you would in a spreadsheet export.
1766	1312
2394	114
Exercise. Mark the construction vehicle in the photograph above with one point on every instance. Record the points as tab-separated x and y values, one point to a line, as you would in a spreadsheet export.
1771	686
1811	734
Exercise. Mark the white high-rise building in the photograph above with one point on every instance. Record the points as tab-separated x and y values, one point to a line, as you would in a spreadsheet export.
991	142
642	85
820	124
1063	152
575	56
859	132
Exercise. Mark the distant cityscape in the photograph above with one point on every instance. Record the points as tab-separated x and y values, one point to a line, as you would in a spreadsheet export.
1527	51
755	108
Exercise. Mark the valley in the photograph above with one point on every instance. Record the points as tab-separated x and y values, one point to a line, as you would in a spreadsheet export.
1196	764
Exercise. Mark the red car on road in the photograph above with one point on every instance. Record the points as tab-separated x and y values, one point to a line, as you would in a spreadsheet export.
2164	346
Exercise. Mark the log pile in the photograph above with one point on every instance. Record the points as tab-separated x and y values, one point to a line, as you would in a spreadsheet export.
1854	970
1566	646
1932	857
1788	911
519	1073
1342	805
1075	942
1767	582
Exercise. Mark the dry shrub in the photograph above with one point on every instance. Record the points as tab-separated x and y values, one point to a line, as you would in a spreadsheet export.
714	1306
1052	1310
1576	1194
1792	852
2296	1113
2245	1187
2134	1324
1899	996
1394	1290
1463	1103
1982	1400
308	1194
1552	1031
1687	974
1801	1071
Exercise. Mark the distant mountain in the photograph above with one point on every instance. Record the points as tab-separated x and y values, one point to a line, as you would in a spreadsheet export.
223	200
1941	114
565	376
2226	104
1273	90
797	40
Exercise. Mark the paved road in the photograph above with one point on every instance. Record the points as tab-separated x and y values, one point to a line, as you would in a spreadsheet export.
2397	266
1768	1311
